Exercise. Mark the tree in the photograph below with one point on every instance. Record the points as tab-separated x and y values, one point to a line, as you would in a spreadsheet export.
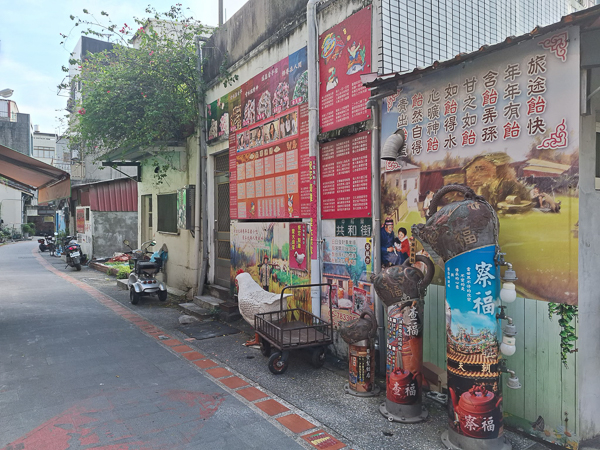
145	92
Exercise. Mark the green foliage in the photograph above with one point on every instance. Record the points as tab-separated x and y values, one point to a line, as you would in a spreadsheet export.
568	338
123	273
28	228
145	92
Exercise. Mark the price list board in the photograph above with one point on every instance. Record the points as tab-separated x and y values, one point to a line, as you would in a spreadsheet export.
346	177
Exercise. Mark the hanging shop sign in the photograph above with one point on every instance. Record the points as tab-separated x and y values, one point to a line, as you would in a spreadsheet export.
345	54
506	125
346	177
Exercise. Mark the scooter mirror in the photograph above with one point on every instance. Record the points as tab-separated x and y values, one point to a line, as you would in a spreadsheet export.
126	242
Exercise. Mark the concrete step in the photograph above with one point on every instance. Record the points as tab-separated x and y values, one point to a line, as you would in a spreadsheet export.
217	291
192	309
207	301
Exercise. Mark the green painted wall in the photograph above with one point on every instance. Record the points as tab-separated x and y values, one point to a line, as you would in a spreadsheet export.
549	389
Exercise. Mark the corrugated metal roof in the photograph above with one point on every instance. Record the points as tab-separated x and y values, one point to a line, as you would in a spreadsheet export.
589	17
117	195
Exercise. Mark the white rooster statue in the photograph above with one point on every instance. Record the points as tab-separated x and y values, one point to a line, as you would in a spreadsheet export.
252	299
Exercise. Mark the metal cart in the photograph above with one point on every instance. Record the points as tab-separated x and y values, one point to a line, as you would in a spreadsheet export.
290	329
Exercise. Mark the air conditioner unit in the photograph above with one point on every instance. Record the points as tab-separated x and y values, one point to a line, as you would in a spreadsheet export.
186	199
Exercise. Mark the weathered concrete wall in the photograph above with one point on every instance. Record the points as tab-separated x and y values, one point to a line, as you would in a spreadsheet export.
110	229
588	389
254	23
180	270
17	135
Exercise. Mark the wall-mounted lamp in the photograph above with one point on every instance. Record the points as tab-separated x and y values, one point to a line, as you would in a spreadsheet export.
508	293
6	93
509	331
393	145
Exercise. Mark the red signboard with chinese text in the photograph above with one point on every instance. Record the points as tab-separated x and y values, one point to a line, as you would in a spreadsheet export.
346	177
345	54
265	165
298	237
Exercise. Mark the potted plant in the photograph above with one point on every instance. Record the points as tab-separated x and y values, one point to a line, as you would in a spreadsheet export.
27	230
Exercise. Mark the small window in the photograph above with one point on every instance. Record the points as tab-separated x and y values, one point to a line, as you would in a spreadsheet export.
87	214
404	185
167	213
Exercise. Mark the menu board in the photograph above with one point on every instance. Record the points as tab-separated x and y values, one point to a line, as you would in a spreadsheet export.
346	177
345	54
265	166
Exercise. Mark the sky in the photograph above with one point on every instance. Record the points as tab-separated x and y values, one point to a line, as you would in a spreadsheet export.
31	55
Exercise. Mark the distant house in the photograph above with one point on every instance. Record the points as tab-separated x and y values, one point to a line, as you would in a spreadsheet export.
406	178
543	168
485	168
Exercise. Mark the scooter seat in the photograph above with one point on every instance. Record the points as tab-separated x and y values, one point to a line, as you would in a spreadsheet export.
148	266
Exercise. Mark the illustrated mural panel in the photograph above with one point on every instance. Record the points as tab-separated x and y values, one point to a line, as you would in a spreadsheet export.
275	254
345	54
347	266
506	125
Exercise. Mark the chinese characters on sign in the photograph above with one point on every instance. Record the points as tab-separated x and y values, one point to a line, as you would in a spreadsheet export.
345	53
346	177
354	227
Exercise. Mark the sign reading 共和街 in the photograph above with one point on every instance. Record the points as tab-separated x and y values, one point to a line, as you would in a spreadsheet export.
506	124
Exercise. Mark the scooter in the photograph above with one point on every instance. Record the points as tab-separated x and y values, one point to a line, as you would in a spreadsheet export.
72	251
142	279
47	243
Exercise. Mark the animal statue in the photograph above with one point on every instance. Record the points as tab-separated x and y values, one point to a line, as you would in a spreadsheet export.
359	329
253	299
395	283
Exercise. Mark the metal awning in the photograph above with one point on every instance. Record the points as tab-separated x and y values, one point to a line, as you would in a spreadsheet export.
51	182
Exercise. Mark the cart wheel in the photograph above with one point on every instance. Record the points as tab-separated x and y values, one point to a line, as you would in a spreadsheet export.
265	347
278	363
317	356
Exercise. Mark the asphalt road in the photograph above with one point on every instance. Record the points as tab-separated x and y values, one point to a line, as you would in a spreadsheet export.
79	371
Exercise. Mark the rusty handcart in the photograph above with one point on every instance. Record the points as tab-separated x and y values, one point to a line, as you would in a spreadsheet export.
290	329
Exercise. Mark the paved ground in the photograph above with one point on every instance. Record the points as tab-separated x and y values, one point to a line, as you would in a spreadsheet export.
80	367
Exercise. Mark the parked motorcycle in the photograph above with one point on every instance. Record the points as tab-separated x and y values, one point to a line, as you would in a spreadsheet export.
47	243
142	279
72	252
